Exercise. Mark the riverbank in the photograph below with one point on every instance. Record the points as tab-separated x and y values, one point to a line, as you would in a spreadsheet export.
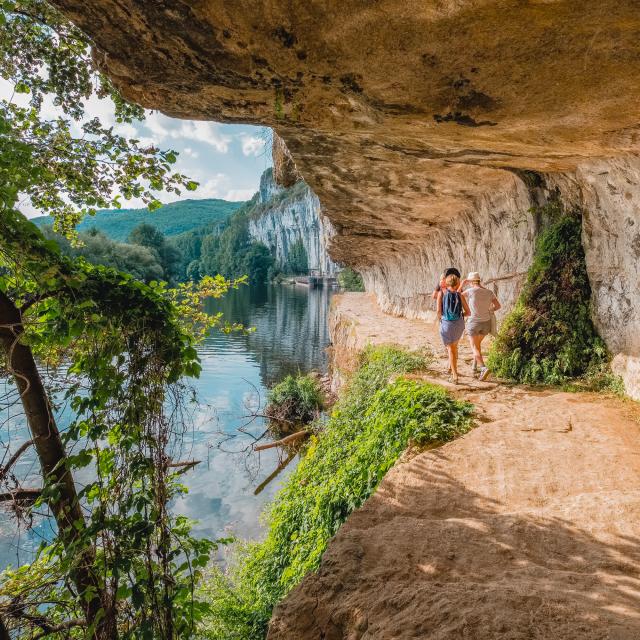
526	527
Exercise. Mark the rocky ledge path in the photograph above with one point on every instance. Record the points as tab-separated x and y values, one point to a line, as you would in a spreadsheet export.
528	527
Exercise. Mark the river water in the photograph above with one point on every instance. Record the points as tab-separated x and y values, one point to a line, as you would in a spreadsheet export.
290	336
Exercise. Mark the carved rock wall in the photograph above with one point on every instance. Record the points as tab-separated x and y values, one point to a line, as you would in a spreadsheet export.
609	194
496	237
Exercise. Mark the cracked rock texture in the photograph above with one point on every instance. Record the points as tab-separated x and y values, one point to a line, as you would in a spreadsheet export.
408	118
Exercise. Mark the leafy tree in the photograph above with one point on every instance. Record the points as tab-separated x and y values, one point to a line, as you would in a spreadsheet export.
233	253
148	236
258	262
141	262
193	270
119	564
297	260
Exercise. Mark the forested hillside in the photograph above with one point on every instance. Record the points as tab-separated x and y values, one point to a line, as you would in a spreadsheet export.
170	219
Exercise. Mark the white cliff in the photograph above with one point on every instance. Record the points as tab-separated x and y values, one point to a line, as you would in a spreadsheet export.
283	217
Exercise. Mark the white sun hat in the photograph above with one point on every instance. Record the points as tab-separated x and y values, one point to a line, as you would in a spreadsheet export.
474	276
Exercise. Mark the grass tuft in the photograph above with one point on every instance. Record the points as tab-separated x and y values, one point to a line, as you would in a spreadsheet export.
296	400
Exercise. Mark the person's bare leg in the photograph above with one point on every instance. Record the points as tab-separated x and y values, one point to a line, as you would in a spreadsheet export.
453	360
473	350
476	345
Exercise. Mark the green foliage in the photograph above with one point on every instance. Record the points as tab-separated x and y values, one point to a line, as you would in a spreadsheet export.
171	219
350	280
232	253
297	261
258	262
43	55
146	235
549	336
295	400
369	428
140	262
120	349
117	350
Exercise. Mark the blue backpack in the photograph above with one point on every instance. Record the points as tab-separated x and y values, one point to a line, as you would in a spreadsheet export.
451	306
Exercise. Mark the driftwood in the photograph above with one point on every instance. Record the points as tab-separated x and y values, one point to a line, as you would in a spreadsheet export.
186	464
21	495
4	471
280	443
275	473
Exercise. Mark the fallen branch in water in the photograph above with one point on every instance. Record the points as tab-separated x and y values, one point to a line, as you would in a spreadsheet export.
4	471
274	474
185	465
280	443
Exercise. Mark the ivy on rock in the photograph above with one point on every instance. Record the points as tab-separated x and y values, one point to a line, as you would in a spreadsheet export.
549	336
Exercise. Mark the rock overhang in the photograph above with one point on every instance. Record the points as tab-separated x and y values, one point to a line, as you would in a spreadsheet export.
400	115
425	127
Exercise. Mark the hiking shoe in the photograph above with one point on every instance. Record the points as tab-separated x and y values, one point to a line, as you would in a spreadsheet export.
484	374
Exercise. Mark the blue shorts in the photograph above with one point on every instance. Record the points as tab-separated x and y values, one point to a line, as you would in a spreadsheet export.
451	330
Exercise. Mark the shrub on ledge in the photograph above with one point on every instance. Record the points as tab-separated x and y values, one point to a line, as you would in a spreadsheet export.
295	400
549	336
369	428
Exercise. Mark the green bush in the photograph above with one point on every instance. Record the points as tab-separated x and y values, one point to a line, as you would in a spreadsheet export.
296	400
350	280
369	428
549	336
297	262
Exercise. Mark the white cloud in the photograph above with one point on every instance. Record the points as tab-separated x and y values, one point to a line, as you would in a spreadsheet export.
164	128
188	151
213	187
251	145
239	195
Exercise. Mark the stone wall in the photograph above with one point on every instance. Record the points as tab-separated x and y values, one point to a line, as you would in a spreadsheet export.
495	237
608	191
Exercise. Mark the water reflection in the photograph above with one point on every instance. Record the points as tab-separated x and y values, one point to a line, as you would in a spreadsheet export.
291	335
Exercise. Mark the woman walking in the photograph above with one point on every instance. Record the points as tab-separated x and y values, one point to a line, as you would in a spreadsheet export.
482	303
452	308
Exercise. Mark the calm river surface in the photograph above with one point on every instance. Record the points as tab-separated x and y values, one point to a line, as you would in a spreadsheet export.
290	336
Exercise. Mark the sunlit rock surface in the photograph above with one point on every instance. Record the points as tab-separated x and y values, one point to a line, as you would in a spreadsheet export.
407	119
285	216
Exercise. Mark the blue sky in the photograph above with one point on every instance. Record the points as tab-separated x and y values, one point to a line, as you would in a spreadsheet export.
226	160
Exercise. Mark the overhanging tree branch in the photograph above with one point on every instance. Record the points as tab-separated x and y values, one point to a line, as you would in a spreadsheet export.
14	458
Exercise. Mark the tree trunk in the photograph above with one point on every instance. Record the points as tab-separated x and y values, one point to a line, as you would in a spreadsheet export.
51	453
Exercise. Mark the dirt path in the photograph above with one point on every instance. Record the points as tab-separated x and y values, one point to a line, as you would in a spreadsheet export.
526	528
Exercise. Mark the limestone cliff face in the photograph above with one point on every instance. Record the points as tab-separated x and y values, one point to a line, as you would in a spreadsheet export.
286	216
408	118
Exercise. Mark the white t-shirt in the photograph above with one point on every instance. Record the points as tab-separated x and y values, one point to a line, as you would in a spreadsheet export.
480	303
